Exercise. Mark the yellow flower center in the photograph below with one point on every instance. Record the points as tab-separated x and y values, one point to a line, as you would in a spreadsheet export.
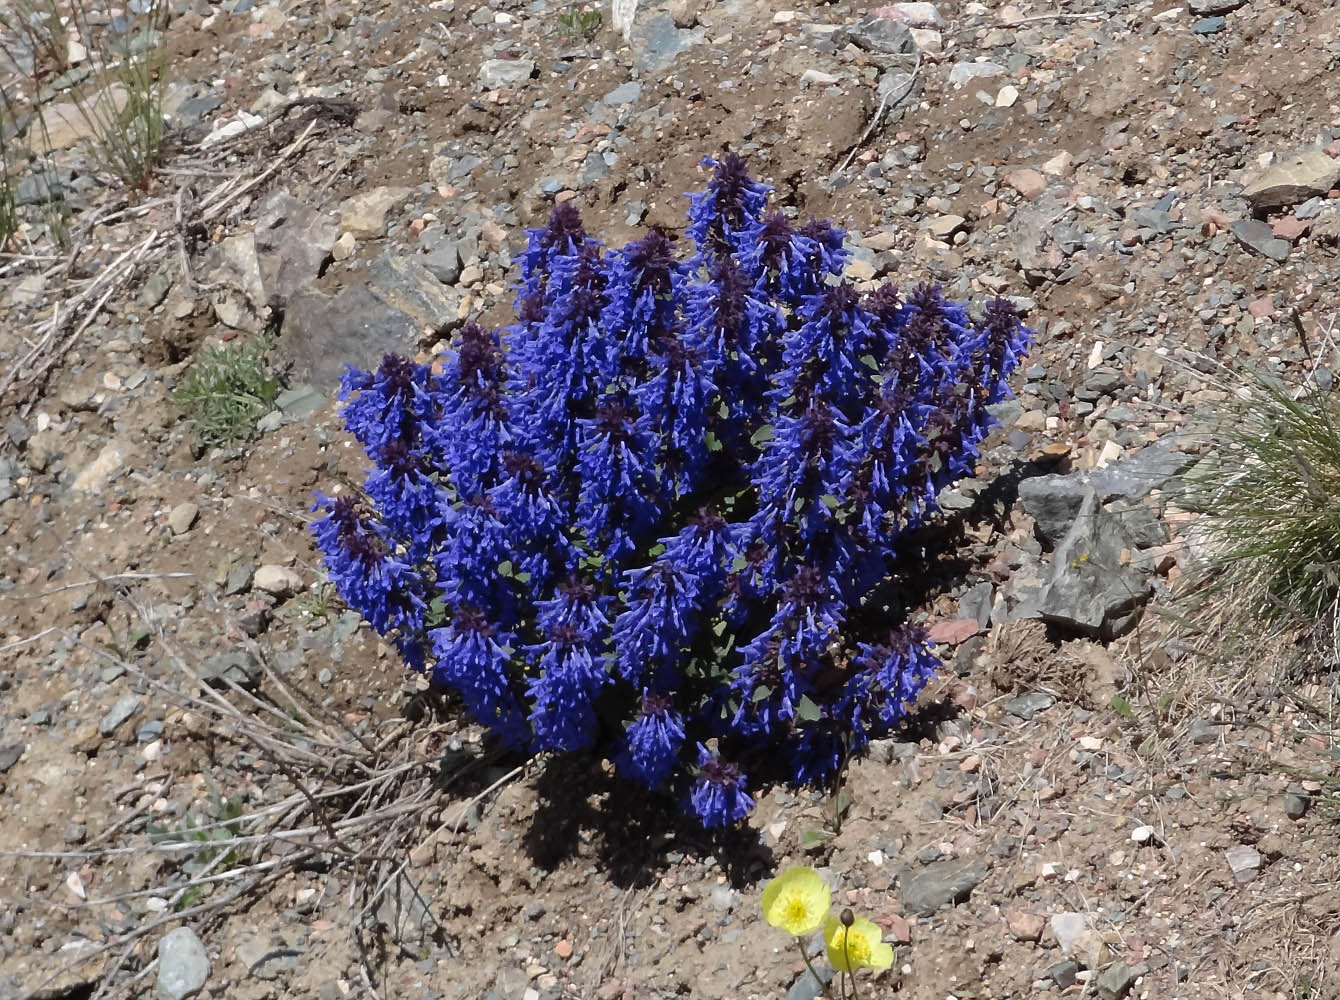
794	909
855	947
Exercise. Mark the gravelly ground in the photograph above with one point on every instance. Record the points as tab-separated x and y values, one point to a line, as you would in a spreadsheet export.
1129	173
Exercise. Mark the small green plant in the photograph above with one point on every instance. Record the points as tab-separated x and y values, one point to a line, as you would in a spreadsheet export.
224	823
228	388
580	22
9	219
318	602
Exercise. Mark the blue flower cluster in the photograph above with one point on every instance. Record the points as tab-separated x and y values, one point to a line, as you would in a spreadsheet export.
639	521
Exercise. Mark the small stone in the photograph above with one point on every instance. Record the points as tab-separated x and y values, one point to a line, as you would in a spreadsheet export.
281	581
563	949
817	78
946	226
1007	95
1068	928
1289	228
1296	800
344	247
1026	706
236	666
1257	237
497	73
10	755
1115	981
364	215
1142	834
1064	974
966	72
1027	181
1060	165
914	15
183	965
1261	308
98	473
1210	25
182	516
120	712
1205	8
1024	926
940	884
625	93
74	833
1244	861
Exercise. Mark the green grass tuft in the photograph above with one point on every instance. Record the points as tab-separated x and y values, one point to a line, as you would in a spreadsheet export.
580	22
1270	491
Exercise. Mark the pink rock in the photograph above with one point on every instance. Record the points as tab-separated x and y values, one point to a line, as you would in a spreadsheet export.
951	633
1023	926
1289	228
1262	307
1027	181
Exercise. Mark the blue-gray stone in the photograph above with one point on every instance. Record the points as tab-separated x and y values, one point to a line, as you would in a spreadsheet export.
125	706
183	965
1210	25
1258	237
625	93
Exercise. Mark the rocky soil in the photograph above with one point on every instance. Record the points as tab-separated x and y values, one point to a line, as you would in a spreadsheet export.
1101	797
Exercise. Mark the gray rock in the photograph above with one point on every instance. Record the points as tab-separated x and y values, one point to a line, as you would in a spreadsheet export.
658	40
1116	981
1203	733
443	262
1207	8
183	965
1092	587
1309	174
1068	928
1142	527
1296	798
1026	706
1244	861
294	241
182	517
10	755
238	578
1257	237
495	73
1052	502
940	884
809	988
1064	974
300	401
234	264
120	713
407	286
236	665
1137	475
883	34
967	72
324	333
364	216
1210	25
625	93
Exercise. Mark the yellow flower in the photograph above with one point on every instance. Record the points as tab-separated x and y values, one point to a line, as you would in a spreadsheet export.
859	946
796	901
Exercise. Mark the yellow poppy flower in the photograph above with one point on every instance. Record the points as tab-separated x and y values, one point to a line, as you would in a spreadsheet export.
859	946
796	901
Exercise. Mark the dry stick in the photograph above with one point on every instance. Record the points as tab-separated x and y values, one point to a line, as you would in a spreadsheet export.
212	211
105	579
17	643
911	82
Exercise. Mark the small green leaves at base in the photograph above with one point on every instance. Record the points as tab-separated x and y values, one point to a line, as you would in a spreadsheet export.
814	838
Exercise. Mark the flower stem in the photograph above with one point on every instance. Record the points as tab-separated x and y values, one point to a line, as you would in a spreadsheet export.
804	954
846	960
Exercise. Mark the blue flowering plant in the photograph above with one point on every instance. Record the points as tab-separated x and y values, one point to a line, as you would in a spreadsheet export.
643	520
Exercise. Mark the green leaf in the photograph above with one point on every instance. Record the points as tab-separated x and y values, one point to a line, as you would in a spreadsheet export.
811	839
505	567
762	435
806	710
843	803
1122	707
719	629
738	564
656	550
869	361
830	501
713	443
762	692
